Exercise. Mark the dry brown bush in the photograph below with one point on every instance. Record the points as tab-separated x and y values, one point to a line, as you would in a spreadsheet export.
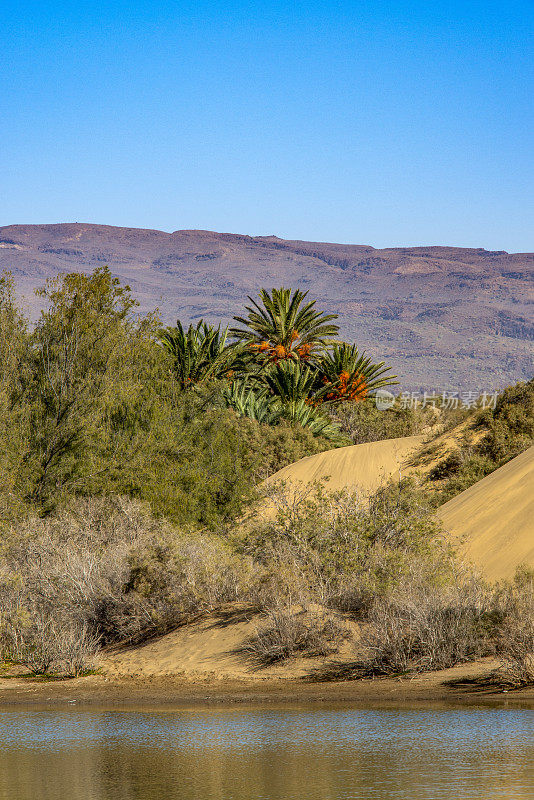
423	626
103	571
285	633
106	571
45	644
516	637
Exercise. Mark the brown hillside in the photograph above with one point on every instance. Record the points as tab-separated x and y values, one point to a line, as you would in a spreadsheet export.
444	317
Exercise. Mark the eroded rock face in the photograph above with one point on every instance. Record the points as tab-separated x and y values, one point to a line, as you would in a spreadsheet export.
442	316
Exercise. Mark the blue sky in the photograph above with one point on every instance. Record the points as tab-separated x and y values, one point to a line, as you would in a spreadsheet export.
383	123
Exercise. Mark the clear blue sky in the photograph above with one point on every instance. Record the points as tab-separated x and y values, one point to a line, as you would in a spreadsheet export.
384	123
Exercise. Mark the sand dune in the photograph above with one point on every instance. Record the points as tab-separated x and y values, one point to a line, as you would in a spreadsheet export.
493	520
361	466
211	647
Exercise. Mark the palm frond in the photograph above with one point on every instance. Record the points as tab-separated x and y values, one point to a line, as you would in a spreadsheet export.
281	326
247	401
297	411
199	353
347	374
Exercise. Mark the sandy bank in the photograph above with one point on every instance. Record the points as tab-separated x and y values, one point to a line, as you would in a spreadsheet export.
360	467
465	685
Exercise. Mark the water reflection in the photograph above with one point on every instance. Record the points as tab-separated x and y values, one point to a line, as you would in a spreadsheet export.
269	754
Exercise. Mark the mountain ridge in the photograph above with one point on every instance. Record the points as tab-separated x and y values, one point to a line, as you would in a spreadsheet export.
444	317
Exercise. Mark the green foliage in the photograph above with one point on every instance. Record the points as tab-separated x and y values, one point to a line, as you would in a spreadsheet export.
290	381
363	422
345	549
282	326
251	402
282	393
301	413
13	414
278	363
509	430
199	353
90	362
202	464
89	404
348	374
510	424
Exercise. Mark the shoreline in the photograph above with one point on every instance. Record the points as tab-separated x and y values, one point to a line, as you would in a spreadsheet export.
461	686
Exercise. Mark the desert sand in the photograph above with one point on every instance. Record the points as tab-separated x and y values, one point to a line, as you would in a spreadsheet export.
362	467
493	520
492	523
465	684
212	647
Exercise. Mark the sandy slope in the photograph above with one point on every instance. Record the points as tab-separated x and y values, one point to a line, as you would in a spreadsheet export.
361	466
494	518
210	647
440	446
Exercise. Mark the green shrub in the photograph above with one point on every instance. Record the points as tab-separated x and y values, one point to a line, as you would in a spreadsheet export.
363	422
340	549
509	430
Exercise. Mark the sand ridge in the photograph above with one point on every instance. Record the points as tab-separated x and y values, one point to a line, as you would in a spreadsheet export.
212	646
362	467
493	520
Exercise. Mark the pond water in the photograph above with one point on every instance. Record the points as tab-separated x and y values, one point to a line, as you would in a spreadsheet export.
267	753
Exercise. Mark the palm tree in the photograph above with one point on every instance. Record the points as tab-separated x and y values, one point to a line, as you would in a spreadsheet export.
247	401
199	353
289	380
300	412
347	374
282	326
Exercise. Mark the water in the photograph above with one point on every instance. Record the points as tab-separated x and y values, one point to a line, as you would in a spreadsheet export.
304	753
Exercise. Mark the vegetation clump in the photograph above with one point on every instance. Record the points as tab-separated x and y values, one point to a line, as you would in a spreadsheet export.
283	363
285	633
130	454
507	430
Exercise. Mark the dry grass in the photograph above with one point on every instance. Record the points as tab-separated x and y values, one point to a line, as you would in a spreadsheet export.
104	571
516	639
422	626
286	633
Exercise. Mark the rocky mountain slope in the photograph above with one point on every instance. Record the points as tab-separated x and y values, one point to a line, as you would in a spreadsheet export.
444	317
